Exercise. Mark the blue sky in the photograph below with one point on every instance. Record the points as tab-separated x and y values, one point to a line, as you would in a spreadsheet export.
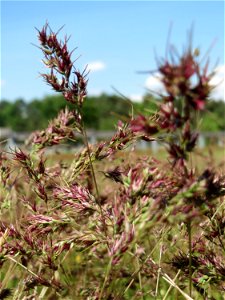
116	39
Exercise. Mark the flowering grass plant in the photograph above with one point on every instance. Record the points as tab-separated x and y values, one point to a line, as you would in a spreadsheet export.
141	229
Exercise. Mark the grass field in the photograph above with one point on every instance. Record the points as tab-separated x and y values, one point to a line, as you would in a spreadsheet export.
201	158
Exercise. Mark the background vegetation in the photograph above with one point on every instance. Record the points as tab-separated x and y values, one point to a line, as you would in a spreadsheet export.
28	116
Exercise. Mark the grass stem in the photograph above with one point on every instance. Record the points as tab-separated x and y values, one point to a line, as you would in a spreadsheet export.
190	255
159	272
94	178
106	278
170	287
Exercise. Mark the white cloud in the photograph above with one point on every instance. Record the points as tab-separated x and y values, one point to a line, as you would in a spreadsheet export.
219	82
154	84
96	66
136	97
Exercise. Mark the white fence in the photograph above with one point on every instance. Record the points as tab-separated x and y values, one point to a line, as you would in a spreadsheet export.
11	139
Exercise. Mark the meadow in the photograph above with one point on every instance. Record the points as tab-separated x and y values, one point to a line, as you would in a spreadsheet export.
109	221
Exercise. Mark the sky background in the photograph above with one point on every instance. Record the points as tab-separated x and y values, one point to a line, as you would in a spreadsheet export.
115	38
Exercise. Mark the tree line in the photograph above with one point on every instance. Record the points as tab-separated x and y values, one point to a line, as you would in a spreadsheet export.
100	112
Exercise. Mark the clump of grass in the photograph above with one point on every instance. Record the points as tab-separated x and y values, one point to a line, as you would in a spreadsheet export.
139	229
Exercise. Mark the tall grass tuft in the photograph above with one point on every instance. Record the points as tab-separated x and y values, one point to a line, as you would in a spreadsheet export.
140	229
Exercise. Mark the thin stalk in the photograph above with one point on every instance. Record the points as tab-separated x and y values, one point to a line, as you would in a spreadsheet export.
219	236
8	275
142	264
168	280
171	282
127	288
25	268
43	292
190	255
217	210
159	272
94	177
169	289
106	278
20	289
91	165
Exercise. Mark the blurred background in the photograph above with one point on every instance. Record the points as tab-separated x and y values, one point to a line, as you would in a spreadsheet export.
119	42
